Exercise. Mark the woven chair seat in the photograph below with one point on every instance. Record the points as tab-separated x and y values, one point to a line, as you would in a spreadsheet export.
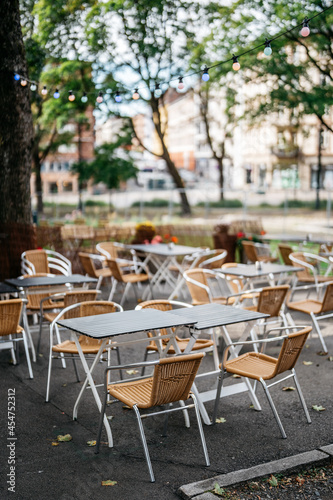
46	305
134	278
306	306
104	271
252	365
69	347
135	392
182	344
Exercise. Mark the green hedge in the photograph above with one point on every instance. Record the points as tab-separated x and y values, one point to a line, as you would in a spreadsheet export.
222	204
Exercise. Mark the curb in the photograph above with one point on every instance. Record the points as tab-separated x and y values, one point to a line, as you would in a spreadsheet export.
201	490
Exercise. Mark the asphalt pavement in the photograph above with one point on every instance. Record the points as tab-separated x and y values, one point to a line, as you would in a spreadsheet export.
44	468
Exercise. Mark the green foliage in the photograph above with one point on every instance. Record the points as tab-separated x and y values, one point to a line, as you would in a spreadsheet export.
156	202
222	204
93	203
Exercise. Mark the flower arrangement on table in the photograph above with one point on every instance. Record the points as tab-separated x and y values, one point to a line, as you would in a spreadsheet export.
167	238
241	236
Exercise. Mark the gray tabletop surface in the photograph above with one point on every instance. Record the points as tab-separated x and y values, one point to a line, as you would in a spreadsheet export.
212	315
251	271
50	280
5	288
114	324
164	249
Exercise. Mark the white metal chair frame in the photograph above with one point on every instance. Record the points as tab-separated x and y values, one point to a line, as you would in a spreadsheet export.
263	383
183	407
219	277
317	259
55	329
137	269
131	263
55	260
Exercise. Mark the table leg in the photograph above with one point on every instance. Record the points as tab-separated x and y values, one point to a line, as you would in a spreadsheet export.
88	371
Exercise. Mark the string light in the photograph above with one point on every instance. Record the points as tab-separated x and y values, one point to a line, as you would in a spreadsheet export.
23	82
268	48
136	95
158	91
305	31
33	87
71	96
56	94
84	98
118	97
100	97
235	63
205	75
180	83
16	77
44	90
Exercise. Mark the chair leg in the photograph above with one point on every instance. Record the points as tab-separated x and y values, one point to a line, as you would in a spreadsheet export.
26	347
202	436
277	418
144	443
301	397
321	338
218	396
63	362
47	398
119	362
125	293
99	433
144	359
113	288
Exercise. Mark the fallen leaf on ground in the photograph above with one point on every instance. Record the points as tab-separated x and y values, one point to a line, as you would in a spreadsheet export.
330	358
218	490
273	481
236	376
91	443
64	385
318	408
132	372
307	363
220	420
322	353
55	443
300	480
288	389
65	437
109	483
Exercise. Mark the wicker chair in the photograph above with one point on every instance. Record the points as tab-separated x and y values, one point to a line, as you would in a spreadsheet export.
87	261
271	301
110	250
261	367
10	315
88	345
201	283
310	262
44	261
285	251
317	309
206	345
128	280
252	252
171	382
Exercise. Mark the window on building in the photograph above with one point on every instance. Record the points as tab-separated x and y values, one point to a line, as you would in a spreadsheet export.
51	167
67	186
53	187
314	177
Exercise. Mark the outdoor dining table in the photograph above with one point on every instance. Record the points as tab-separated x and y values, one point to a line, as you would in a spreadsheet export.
212	316
162	256
250	272
113	325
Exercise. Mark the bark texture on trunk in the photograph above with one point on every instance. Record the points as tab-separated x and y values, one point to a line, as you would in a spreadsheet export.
16	139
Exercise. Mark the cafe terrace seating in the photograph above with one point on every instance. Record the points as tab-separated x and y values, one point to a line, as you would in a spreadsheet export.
171	382
44	261
261	367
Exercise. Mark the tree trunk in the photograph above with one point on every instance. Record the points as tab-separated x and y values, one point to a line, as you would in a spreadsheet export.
16	139
186	209
38	182
80	159
320	142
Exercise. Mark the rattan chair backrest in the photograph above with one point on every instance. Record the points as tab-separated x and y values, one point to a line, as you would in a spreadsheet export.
109	248
87	264
305	274
271	299
34	297
290	350
75	297
198	294
205	260
38	259
327	304
250	250
92	308
285	251
235	283
173	378
160	305
10	313
115	269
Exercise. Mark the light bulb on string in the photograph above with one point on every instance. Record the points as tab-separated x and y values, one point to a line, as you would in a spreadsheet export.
205	75
235	63
305	31
16	77
136	94
56	94
157	91
268	48
118	97
71	96
84	98
44	90
99	97
180	83
33	87
24	82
